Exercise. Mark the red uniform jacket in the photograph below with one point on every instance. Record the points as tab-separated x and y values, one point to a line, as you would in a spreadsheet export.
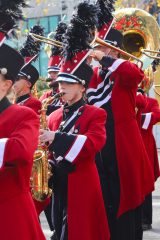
86	213
136	177
46	95
32	103
19	127
35	105
149	115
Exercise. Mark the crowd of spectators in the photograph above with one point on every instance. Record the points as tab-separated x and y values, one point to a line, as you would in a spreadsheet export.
153	7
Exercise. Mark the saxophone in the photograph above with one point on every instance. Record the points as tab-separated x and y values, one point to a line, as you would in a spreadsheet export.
41	170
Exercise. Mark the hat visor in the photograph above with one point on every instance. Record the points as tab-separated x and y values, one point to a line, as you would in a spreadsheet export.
53	69
106	41
65	77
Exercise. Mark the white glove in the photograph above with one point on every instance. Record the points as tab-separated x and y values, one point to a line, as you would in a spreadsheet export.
46	136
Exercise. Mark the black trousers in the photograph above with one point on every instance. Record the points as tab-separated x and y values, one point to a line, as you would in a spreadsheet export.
129	225
147	210
48	214
59	205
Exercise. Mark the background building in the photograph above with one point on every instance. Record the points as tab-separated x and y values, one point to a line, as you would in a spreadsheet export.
47	13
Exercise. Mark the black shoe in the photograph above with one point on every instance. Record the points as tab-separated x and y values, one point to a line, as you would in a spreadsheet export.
146	226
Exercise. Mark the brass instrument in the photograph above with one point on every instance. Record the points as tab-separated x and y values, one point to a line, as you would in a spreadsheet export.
34	91
141	33
50	99
147	51
48	47
45	40
41	170
122	52
148	80
96	40
156	86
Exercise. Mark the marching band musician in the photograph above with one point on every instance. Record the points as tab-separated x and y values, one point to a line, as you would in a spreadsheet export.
25	80
148	115
23	85
19	128
53	69
125	172
123	194
76	133
28	75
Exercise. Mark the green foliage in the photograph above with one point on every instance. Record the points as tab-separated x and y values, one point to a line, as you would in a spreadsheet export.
41	86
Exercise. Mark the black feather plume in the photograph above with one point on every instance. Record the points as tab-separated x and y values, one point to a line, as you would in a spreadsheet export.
32	47
105	13
12	4
10	14
60	31
79	33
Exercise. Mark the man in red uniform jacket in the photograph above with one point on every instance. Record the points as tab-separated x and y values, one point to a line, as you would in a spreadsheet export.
125	172
74	146
147	116
53	69
25	80
19	128
77	134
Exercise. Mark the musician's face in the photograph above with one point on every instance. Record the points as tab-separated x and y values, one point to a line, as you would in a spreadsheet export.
104	49
21	87
53	75
113	53
107	51
72	91
5	86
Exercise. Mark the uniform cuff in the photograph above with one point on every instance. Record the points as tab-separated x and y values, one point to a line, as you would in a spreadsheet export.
2	148
146	119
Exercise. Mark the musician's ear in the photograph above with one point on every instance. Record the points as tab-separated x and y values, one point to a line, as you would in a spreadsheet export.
6	84
29	84
9	83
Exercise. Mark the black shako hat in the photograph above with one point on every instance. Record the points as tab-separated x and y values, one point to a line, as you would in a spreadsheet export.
114	37
105	21
56	52
10	62
105	17
74	68
10	14
31	47
29	72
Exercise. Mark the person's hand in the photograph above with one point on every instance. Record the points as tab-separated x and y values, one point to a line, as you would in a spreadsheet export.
46	136
97	55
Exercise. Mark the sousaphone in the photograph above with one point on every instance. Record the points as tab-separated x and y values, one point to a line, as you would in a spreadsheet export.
140	31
